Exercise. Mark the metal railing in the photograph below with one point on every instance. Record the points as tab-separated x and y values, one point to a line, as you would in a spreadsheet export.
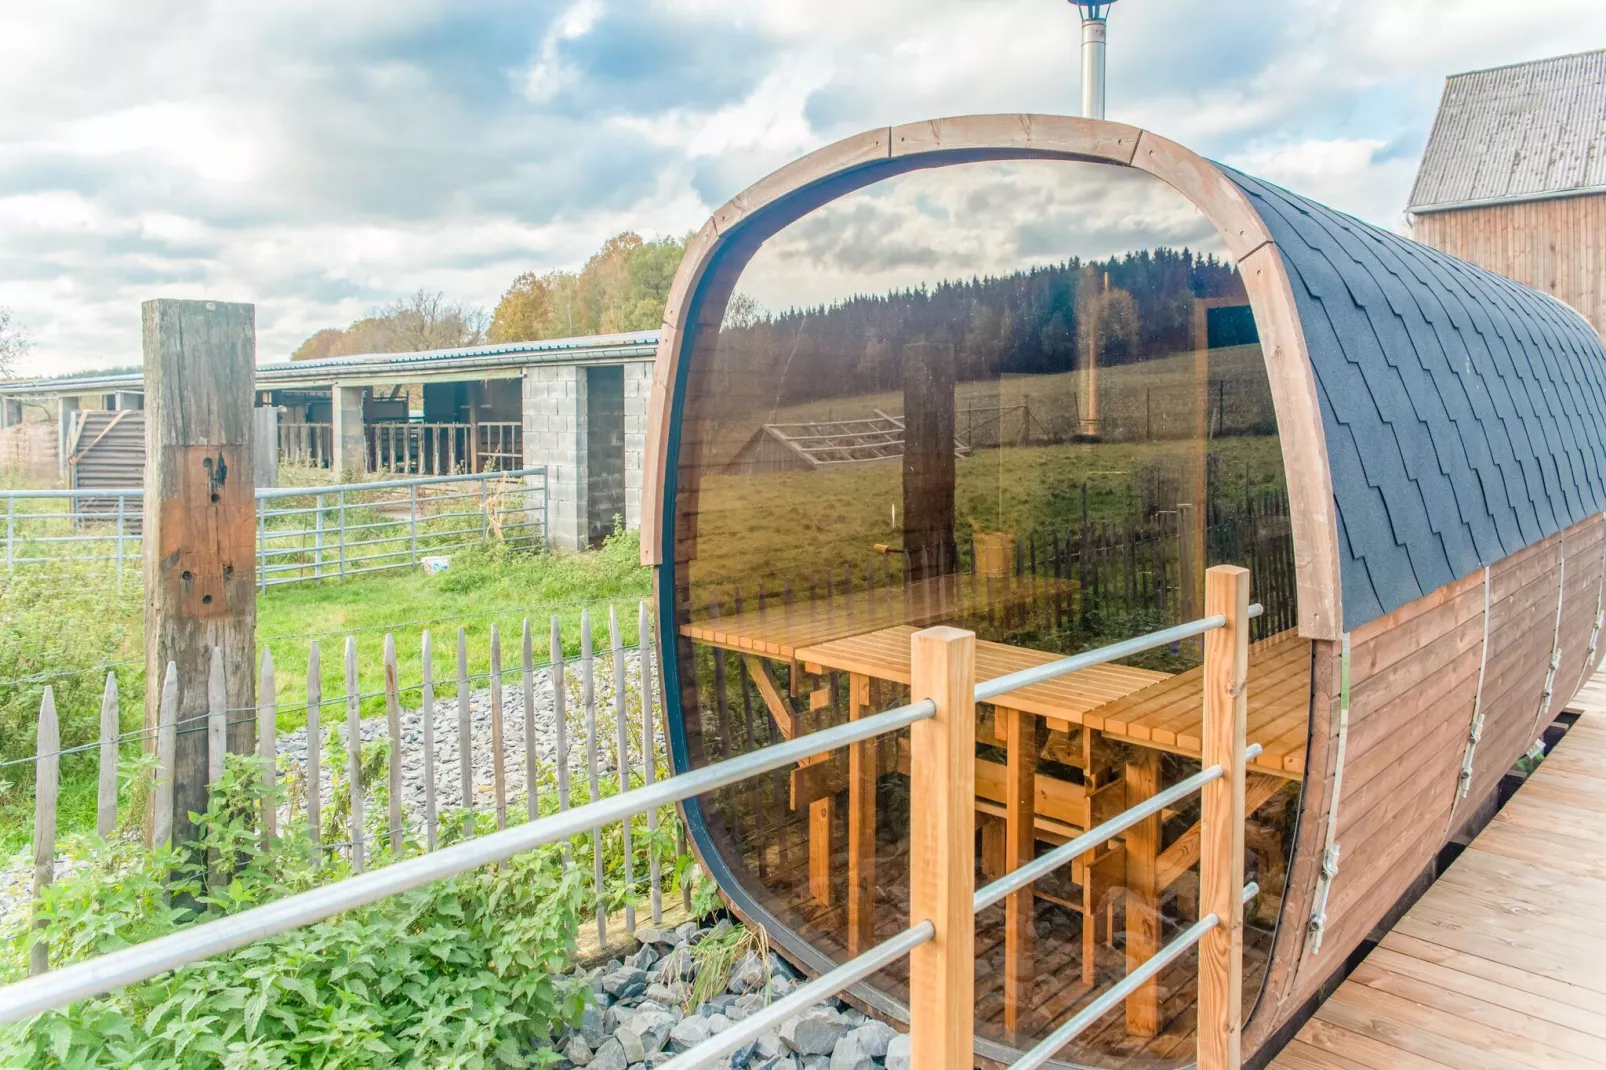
303	533
940	939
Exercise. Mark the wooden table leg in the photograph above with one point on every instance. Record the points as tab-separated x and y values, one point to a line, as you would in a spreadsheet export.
821	811
1020	800
862	769
1142	892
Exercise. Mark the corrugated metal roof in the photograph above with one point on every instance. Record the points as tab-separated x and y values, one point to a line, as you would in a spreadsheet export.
634	345
1522	132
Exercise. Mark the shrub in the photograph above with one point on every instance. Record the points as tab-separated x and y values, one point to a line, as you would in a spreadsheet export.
465	972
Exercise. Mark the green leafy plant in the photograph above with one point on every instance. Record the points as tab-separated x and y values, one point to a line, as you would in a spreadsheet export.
467	972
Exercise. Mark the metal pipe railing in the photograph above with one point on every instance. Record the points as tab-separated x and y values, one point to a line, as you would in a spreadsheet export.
106	973
1043	865
823	987
1123	988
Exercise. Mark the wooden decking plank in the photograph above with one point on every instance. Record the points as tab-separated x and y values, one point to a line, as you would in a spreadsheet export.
1503	962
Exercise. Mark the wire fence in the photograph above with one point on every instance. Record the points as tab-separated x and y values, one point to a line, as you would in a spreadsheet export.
567	730
304	534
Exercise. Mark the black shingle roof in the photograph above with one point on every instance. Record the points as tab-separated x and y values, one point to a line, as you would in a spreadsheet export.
1465	413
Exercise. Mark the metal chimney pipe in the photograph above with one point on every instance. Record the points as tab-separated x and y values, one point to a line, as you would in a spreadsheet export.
1094	29
1093	38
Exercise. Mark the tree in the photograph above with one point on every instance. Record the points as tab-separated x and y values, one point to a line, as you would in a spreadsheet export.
14	343
623	287
425	320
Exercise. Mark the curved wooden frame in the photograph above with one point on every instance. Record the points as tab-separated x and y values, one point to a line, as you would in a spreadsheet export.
719	251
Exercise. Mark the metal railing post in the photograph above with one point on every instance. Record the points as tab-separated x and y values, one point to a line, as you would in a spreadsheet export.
412	521
317	540
122	504
1221	820
342	514
262	548
942	851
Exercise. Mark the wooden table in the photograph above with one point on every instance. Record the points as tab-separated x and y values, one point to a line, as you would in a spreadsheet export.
1154	711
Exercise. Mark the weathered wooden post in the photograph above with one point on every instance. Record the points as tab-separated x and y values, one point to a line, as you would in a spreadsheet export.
200	524
1221	820
942	851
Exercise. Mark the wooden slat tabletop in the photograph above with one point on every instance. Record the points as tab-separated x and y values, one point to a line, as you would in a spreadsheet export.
1136	705
1499	964
778	631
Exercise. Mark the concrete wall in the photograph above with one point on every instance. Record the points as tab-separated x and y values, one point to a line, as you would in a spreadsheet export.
557	411
349	454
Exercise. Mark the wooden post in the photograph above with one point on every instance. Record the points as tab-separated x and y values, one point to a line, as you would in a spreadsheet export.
649	757
106	802
621	723
942	851
498	743
47	767
217	719
862	771
166	743
532	766
1221	861
314	748
199	523
268	746
354	755
465	731
1020	847
426	709
1142	892
393	729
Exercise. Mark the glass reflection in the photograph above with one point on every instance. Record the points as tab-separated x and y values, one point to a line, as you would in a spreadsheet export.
1025	399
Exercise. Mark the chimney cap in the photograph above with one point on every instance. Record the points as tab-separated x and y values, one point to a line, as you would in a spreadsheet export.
1094	9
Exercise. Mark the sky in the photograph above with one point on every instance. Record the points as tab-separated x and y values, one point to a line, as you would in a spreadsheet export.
323	159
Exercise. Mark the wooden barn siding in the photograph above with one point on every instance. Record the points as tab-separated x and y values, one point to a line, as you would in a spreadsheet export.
1413	683
1558	246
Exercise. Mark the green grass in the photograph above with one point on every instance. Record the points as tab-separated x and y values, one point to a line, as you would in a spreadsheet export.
56	621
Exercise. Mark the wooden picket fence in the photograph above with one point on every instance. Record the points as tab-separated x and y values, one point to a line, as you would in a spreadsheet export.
638	752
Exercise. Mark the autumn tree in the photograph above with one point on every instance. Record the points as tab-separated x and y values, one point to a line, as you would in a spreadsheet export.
623	287
14	343
425	320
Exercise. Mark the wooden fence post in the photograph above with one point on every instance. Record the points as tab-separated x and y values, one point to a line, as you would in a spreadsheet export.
314	749
354	755
106	801
426	708
268	746
166	744
393	729
199	524
942	851
1221	861
47	766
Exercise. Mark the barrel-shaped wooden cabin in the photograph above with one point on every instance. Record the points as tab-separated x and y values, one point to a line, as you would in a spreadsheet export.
1030	376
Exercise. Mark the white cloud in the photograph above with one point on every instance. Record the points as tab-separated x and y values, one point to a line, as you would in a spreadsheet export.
322	159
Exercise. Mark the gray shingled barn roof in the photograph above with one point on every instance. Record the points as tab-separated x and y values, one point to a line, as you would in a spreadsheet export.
1524	132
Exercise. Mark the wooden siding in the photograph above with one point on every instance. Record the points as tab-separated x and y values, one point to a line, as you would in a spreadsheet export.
1414	683
1558	246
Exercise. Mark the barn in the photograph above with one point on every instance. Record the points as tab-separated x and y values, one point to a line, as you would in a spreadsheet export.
1407	451
1514	176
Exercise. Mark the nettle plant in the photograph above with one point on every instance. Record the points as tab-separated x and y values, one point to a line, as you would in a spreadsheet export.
467	972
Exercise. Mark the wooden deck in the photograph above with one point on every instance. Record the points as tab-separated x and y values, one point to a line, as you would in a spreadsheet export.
1502	963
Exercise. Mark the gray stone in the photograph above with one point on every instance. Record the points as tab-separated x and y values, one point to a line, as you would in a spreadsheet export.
721	929
768	1045
591	1025
781	986
653	1027
688	1033
678	965
816	1062
685	931
743	1006
577	1051
898	1052
860	1049
748	974
644	957
675	993
815	1031
617	980
609	1057
718	1023
631	1044
783	1061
